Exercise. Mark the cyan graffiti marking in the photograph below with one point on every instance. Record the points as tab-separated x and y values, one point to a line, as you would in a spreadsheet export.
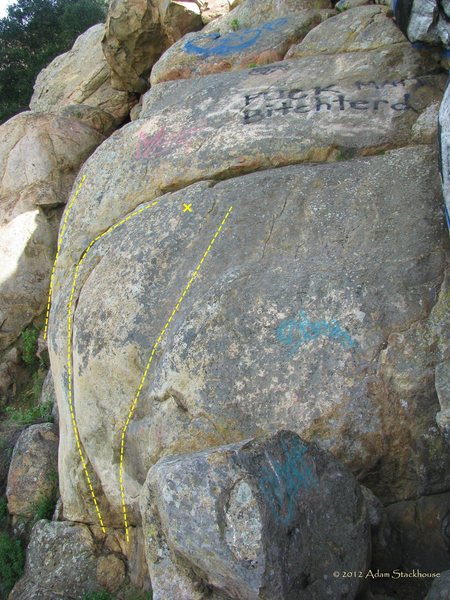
282	481
296	332
214	44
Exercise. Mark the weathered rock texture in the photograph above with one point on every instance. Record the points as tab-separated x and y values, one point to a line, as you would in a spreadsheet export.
440	589
424	527
362	29
70	560
32	476
321	307
252	13
138	31
239	516
40	155
442	375
202	53
61	562
213	9
81	76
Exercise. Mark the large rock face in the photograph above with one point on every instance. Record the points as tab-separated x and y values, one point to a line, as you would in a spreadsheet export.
39	158
202	53
365	28
80	76
252	13
201	303
237	517
138	31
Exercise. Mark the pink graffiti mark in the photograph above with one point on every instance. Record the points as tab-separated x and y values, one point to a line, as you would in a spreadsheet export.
162	142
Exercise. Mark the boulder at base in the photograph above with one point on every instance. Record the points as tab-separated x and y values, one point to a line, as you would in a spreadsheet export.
61	563
266	518
32	476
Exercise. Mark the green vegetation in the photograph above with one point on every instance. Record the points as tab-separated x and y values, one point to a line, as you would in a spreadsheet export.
139	596
44	508
346	153
235	25
27	416
26	408
33	33
12	560
97	596
104	595
29	346
3	509
29	410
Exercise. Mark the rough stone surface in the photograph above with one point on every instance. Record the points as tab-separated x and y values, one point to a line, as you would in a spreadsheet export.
321	307
8	439
440	588
386	555
81	76
61	563
34	463
97	119
48	397
443	392
136	34
253	13
238	515
231	123
201	53
110	572
39	158
424	529
213	9
361	29
9	366
236	347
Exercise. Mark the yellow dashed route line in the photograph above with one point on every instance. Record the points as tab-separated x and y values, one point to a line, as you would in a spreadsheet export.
152	355
60	239
69	350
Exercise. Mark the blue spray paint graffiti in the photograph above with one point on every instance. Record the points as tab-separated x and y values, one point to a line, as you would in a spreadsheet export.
282	481
296	332
213	44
